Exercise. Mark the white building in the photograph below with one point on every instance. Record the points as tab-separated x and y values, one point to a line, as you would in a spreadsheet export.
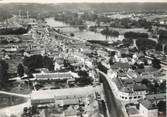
57	66
126	90
55	76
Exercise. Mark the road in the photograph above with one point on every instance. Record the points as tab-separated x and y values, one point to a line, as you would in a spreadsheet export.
113	105
14	110
14	94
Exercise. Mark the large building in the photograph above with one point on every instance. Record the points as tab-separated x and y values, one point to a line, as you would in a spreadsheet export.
54	76
62	96
69	102
147	107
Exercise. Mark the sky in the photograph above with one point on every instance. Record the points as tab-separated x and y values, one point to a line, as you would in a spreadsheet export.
77	1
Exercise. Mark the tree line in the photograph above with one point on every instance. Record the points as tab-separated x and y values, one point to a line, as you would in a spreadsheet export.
3	73
108	32
38	61
14	31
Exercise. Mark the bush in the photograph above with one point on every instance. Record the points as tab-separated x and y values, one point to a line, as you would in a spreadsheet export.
135	35
144	44
13	31
3	72
108	32
159	47
38	61
156	63
162	34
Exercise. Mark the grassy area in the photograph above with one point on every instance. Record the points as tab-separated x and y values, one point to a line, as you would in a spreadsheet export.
20	88
13	63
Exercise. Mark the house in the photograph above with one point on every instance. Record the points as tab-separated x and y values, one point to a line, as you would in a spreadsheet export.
132	74
119	65
132	111
147	107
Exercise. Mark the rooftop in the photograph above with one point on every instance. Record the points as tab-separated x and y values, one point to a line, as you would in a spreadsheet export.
139	87
132	111
56	75
120	65
156	96
51	94
146	70
133	74
129	85
148	104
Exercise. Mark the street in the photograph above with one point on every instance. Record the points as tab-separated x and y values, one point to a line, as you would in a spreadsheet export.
113	105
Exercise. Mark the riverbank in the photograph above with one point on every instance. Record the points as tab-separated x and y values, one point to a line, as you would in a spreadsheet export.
83	35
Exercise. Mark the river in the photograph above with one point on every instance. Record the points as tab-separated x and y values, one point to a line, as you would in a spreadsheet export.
86	34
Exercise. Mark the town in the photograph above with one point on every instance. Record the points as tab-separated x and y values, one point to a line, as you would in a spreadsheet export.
81	62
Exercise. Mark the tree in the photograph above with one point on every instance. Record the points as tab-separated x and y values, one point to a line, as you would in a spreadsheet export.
13	31
162	35
162	87
156	63
156	86
38	61
72	34
81	28
83	74
144	23
162	106
149	85
165	49
20	70
140	66
33	62
3	72
66	63
145	81
162	39
135	35
48	63
111	61
144	44
159	47
109	32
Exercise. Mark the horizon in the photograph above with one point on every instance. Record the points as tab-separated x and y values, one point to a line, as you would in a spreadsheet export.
81	1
